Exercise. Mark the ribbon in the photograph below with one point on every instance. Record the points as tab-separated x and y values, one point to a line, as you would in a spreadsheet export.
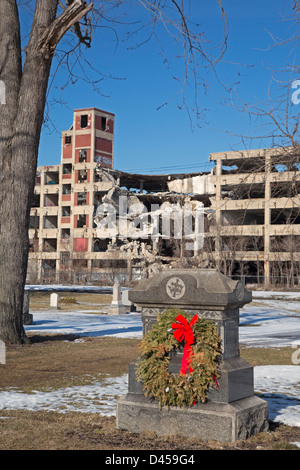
216	382
183	331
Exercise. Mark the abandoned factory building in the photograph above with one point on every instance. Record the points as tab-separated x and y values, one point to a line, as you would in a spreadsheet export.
246	208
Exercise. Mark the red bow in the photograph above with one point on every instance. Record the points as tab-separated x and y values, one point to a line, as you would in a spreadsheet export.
183	331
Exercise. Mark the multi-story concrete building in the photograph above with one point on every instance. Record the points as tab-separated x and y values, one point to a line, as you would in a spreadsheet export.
257	211
251	202
61	217
64	242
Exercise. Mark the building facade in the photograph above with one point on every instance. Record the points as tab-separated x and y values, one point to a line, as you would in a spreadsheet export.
250	203
257	212
65	245
61	218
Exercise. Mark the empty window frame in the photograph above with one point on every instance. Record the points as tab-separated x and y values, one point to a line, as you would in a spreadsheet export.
51	200
80	263
64	257
67	168
49	244
50	221
51	177
66	211
83	121
35	200
81	221
81	199
82	176
68	139
34	221
66	189
65	233
103	123
99	245
82	155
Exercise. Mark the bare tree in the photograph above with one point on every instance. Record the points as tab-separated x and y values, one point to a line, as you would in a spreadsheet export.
20	123
275	174
24	69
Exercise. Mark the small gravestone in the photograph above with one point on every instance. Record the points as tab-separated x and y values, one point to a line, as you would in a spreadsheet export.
117	307
54	301
231	411
2	352
27	317
125	301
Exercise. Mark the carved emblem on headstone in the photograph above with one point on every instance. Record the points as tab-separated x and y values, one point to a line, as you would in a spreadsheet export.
175	288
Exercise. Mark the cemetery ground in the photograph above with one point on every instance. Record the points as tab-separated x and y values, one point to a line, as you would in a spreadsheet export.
62	360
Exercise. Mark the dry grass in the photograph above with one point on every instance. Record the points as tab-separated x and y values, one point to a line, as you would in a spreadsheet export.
25	430
53	361
70	301
267	356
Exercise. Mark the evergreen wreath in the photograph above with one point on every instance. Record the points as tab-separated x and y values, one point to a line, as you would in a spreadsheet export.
182	389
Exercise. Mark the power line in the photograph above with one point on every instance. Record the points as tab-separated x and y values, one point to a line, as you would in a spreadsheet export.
173	167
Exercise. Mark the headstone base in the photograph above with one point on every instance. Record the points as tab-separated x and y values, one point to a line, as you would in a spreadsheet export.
117	309
205	421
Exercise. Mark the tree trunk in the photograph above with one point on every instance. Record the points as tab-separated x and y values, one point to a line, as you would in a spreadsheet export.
20	125
21	120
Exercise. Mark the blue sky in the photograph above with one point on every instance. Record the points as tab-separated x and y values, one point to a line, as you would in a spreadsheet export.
164	140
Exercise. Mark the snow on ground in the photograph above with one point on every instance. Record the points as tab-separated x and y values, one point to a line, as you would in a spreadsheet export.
261	294
280	387
269	321
86	324
100	397
70	288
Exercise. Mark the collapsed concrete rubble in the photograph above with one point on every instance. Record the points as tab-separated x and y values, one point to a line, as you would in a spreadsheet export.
156	227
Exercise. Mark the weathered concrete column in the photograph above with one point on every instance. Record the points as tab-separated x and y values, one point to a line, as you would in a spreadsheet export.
232	411
218	238
267	219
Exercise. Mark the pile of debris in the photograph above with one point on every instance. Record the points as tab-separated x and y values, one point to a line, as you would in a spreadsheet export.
152	226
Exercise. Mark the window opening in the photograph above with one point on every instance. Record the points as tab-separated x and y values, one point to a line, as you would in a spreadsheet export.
83	120
82	155
103	123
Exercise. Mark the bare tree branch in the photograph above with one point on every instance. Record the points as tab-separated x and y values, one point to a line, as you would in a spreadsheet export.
70	17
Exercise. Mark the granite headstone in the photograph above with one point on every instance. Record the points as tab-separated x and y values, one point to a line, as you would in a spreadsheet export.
232	411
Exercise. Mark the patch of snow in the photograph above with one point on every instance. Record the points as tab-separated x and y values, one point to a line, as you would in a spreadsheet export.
100	397
269	323
280	387
86	324
70	288
266	322
276	295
